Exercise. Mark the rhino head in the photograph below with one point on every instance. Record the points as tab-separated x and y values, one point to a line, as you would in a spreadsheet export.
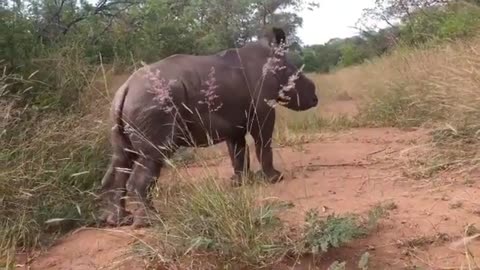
292	88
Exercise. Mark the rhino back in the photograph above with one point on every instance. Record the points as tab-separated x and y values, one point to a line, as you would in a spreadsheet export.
227	111
202	76
230	76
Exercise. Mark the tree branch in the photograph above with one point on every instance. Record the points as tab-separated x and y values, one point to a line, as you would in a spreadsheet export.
102	8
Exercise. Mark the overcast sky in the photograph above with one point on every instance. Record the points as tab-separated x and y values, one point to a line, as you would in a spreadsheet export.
334	18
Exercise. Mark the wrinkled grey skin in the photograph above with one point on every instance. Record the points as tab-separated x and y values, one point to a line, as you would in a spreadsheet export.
145	133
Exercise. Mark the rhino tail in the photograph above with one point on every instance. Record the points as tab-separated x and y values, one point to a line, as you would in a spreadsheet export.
119	141
120	135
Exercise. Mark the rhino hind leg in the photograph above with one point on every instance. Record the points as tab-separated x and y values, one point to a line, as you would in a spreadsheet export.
114	190
240	158
142	180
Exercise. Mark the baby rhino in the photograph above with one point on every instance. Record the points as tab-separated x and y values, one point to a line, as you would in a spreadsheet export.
187	100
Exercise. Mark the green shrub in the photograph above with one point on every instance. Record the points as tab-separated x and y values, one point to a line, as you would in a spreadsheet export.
322	234
437	24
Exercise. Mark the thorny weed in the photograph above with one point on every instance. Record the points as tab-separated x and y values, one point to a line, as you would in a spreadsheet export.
208	217
234	227
160	88
210	96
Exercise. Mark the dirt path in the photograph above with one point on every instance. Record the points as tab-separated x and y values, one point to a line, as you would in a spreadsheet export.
346	172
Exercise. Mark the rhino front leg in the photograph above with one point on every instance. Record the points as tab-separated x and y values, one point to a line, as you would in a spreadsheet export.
265	157
240	158
140	184
262	133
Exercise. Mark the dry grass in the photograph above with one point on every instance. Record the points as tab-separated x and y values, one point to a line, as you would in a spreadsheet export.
50	166
229	225
293	128
413	87
435	88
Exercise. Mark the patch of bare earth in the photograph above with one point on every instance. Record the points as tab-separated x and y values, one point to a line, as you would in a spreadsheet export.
347	172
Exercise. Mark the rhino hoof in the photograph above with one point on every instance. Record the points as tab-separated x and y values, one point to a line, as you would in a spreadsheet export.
114	219
271	177
239	179
127	220
141	218
140	223
275	178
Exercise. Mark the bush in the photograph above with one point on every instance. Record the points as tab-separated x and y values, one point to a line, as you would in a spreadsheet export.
441	23
50	165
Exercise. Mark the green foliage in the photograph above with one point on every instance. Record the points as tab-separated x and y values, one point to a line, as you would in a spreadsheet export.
322	234
50	162
321	58
351	55
349	51
437	23
231	226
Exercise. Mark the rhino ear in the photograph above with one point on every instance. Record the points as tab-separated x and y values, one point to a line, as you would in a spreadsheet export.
274	36
280	37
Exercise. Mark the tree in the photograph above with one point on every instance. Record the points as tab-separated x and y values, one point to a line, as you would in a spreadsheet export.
321	58
421	21
394	11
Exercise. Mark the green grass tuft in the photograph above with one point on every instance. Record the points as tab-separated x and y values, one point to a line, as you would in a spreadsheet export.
230	223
